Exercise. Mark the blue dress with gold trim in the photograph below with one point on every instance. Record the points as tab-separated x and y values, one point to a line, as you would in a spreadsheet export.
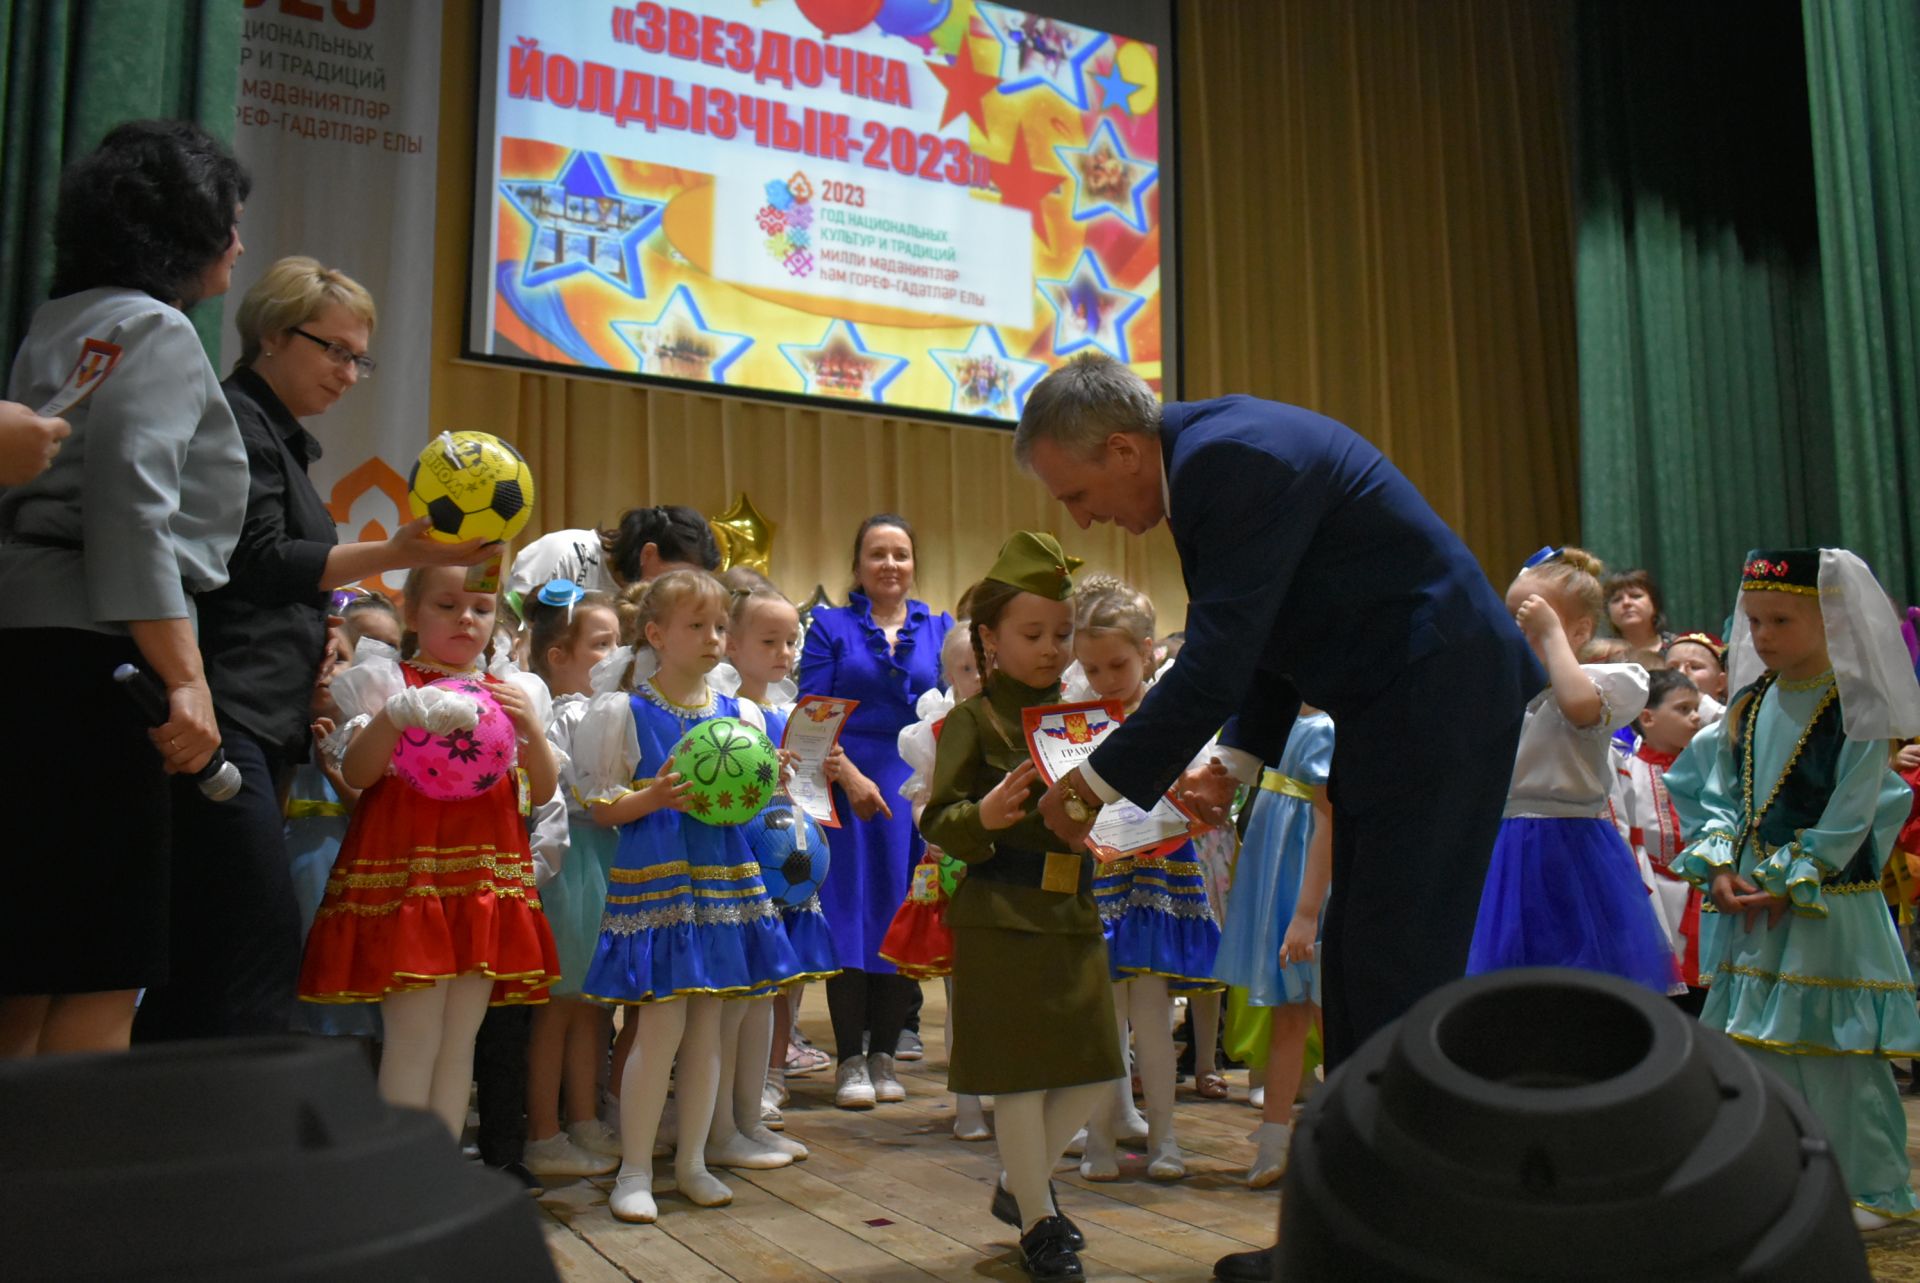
686	910
1157	920
1824	996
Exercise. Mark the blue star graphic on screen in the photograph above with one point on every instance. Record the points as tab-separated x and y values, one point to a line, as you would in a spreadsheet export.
1116	91
841	365
678	344
985	379
582	222
1106	180
1089	312
1038	52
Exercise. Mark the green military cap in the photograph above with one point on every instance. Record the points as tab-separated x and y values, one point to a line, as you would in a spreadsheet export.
1035	563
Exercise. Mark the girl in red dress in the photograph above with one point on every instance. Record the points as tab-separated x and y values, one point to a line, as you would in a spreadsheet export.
432	909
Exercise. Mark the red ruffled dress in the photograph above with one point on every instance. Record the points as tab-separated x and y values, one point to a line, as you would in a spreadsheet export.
918	940
426	890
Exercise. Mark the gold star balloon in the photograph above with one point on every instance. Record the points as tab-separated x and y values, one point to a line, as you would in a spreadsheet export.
745	536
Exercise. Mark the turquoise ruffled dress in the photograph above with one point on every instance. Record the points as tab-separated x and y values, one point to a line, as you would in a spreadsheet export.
686	912
1273	862
576	897
1824	997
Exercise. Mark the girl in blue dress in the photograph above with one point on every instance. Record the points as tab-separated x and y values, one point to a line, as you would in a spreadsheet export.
688	921
1161	936
1270	944
883	649
763	637
1563	888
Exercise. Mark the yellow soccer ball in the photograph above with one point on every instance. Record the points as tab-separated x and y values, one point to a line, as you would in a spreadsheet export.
472	485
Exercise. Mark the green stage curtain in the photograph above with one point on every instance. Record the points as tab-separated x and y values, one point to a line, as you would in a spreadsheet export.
73	69
1863	70
1704	401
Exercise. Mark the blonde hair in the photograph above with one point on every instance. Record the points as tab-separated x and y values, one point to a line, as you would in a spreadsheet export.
657	601
1573	576
293	292
1109	607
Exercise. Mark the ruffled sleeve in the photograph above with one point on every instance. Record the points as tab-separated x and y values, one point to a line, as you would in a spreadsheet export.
361	690
1623	696
606	750
1868	801
751	714
549	838
1699	782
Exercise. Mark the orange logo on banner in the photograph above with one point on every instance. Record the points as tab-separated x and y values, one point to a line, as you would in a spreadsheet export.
375	476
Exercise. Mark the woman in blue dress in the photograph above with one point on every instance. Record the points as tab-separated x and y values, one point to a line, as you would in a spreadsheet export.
883	649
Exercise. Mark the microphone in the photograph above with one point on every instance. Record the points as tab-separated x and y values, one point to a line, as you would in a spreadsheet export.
219	779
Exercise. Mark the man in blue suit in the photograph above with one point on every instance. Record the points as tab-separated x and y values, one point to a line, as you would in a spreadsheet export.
1314	571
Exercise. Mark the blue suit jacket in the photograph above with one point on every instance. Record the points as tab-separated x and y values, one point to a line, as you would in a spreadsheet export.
1314	570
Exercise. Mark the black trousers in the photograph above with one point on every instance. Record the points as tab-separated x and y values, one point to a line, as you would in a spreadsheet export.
1418	784
235	923
500	1079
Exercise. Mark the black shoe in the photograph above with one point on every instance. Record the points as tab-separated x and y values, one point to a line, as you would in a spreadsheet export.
1006	1208
1045	1253
1246	1267
519	1172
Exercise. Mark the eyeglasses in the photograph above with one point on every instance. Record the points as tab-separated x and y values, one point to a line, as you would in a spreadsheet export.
342	354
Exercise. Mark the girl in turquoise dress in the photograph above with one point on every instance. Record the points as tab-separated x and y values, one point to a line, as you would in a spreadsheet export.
1792	812
1161	936
688	921
1269	946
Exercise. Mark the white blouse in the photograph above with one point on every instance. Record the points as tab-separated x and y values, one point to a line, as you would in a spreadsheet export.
1564	771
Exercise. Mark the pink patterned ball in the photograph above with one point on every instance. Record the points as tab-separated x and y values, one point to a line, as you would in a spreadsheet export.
466	763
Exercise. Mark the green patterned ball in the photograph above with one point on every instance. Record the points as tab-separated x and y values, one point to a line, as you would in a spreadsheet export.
731	770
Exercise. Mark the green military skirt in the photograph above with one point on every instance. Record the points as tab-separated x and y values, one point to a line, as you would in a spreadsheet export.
1032	997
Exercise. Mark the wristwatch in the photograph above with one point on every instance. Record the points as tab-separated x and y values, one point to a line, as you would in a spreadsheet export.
1077	811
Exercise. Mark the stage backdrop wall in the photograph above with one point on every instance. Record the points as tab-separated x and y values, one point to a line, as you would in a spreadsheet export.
1376	224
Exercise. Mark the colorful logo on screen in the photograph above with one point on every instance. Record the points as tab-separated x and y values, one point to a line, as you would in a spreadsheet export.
787	222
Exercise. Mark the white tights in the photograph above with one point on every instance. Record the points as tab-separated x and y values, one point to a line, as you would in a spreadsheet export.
427	1062
687	1029
1032	1129
1143	1002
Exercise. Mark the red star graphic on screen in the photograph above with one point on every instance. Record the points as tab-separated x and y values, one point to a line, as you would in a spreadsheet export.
1024	187
967	87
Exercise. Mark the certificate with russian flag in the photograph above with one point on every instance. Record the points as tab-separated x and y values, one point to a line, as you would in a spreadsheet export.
1062	737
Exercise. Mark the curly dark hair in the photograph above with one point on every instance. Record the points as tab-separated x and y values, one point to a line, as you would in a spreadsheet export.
148	209
677	534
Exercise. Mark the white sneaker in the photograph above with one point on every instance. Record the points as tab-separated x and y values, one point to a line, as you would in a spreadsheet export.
852	1089
595	1137
557	1155
1257	1095
1867	1221
886	1088
909	1047
770	1116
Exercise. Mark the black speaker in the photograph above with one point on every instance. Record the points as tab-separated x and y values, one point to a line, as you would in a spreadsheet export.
1552	1124
266	1160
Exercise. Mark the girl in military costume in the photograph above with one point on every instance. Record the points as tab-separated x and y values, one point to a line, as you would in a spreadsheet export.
1791	812
1033	1008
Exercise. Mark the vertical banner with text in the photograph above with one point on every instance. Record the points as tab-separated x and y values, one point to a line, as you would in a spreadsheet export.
338	115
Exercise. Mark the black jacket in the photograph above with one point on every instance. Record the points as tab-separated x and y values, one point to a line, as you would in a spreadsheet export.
262	635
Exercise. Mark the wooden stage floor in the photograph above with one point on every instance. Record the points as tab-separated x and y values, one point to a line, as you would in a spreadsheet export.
889	1194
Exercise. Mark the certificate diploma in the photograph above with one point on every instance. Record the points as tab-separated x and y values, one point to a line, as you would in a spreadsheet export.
96	362
812	731
1061	737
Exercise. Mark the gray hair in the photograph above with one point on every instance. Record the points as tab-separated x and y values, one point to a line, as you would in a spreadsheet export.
1082	403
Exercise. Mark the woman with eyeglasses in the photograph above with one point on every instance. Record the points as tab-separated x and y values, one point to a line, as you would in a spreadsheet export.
304	333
